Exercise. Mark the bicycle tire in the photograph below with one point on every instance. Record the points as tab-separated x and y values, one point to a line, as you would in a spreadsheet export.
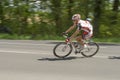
62	46
91	44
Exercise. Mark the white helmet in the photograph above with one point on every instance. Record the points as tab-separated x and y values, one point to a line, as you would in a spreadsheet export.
76	17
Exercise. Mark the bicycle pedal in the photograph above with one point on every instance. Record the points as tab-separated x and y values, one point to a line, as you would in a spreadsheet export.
76	52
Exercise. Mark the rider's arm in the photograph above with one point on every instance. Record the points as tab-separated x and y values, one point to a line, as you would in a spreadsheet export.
75	34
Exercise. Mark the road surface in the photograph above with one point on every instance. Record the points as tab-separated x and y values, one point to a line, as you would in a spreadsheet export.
34	60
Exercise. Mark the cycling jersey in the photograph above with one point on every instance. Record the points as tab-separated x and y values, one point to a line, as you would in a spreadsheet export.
86	27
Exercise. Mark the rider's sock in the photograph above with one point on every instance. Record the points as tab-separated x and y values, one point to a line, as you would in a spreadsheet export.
85	45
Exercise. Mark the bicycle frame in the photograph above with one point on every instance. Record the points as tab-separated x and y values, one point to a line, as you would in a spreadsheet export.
72	43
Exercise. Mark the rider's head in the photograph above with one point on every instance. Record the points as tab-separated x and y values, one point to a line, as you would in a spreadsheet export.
76	17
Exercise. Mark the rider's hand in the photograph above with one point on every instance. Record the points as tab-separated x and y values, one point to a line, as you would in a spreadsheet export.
65	34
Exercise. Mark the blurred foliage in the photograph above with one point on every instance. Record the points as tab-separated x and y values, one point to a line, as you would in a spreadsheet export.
51	17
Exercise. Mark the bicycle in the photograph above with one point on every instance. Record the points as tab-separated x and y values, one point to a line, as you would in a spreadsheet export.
64	49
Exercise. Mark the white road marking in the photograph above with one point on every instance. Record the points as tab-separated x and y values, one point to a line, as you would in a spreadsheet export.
40	44
25	52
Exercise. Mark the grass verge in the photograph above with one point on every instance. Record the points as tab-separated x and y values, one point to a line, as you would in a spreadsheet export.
51	37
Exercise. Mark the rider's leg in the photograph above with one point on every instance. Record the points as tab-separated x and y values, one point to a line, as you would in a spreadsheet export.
80	40
82	37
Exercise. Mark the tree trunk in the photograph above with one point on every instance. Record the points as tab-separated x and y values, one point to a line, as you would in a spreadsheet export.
97	15
1	14
70	9
87	2
115	5
115	12
56	12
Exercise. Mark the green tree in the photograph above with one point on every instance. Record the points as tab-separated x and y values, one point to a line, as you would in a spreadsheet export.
115	10
98	6
56	14
1	13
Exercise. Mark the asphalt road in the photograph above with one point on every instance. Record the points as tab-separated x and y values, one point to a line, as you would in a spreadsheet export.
34	60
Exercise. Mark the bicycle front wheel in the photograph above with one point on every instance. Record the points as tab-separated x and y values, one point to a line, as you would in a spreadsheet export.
62	50
91	49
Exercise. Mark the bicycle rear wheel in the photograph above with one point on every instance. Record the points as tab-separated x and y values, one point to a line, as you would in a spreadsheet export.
91	50
62	50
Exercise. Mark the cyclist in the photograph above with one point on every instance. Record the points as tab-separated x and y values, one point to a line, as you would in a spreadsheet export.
82	25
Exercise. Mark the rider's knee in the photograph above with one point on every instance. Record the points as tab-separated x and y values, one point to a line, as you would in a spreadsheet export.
79	39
